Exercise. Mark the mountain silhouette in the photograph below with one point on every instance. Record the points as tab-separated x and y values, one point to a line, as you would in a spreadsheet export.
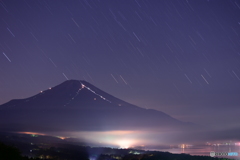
77	105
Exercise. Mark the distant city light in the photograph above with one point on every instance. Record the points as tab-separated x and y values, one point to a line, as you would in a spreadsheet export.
237	144
62	137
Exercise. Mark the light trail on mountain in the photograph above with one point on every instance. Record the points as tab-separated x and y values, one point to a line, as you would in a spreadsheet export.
82	87
96	93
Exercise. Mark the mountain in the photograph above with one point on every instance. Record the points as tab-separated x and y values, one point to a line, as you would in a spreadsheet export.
76	105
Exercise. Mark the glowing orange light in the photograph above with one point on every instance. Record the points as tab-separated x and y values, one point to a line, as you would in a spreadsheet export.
62	137
35	133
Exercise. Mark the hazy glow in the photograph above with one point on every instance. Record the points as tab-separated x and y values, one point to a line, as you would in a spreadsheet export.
123	138
116	138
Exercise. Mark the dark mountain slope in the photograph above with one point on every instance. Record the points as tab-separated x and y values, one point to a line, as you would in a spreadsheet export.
78	105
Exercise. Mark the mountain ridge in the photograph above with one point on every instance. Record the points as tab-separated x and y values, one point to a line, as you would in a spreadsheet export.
79	105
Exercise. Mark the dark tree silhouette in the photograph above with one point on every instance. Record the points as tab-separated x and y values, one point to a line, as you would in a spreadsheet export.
9	153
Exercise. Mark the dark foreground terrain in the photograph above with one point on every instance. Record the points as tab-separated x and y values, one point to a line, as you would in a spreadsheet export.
30	146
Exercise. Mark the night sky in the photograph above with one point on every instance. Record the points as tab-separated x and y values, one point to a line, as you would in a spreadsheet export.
181	57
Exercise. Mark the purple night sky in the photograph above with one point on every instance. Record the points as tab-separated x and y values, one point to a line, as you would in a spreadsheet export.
181	57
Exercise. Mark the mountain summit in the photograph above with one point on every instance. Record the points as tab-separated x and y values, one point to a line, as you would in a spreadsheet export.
77	105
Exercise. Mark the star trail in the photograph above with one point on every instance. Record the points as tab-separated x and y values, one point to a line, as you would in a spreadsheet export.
181	57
